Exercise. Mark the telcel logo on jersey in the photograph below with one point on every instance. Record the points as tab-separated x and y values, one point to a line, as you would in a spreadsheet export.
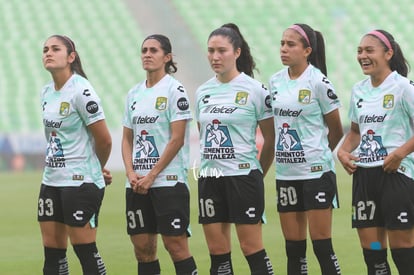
144	120
287	112
52	124
371	118
220	110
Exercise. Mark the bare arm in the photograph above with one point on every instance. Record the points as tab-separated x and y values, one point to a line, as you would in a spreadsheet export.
333	121
393	161
103	146
350	143
127	144
103	141
268	150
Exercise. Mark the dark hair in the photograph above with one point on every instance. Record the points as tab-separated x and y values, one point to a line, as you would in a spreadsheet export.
76	65
317	57
397	62
170	66
245	62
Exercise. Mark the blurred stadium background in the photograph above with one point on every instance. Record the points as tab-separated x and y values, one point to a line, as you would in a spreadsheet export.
108	35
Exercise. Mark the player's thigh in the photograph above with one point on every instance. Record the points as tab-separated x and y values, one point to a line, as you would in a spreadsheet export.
401	238
54	234
250	237
372	237
218	237
320	223
177	246
294	225
145	246
82	235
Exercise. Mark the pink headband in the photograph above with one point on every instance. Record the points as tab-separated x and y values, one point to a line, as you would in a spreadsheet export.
72	45
381	37
301	32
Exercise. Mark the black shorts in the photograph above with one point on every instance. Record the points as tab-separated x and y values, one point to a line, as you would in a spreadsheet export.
73	206
164	210
231	199
382	199
304	195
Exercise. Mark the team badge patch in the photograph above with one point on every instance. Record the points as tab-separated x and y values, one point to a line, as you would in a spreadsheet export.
172	177
64	109
161	103
388	101
241	98
304	96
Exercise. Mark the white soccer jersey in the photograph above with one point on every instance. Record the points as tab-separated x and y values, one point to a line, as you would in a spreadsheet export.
149	113
228	114
385	116
70	153
299	106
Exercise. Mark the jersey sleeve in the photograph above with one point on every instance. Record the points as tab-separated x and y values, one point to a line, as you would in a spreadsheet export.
328	100
263	103
126	120
179	103
408	102
88	104
352	115
197	106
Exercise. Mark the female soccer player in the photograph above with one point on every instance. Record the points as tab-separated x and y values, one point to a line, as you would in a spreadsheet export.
229	108
78	147
378	152
155	151
305	109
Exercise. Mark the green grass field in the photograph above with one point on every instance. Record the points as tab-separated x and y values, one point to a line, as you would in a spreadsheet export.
21	250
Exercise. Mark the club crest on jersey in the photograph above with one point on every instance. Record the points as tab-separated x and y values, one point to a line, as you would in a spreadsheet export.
388	102
304	96
161	103
241	98
64	109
